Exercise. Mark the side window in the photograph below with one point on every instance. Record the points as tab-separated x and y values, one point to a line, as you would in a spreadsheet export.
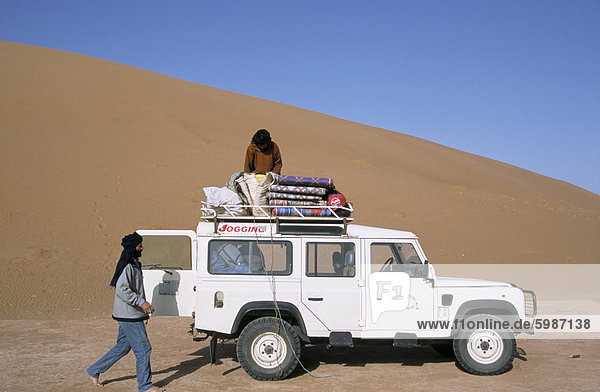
330	259
239	257
167	252
408	254
390	257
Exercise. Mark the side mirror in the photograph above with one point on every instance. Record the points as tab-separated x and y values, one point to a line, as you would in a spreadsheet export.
424	270
418	271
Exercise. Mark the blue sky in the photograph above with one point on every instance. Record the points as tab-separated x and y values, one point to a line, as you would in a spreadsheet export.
516	81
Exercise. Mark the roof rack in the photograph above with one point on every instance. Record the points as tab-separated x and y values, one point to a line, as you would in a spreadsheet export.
335	224
229	213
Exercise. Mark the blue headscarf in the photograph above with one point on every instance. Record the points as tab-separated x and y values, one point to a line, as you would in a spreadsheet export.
129	243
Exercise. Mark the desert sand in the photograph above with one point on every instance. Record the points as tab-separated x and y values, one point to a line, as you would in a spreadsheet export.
92	150
61	349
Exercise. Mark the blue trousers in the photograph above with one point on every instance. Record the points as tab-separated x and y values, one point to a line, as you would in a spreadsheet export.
132	336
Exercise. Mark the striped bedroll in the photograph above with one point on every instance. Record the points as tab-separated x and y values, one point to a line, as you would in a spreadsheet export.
292	196
303	190
284	203
279	179
288	211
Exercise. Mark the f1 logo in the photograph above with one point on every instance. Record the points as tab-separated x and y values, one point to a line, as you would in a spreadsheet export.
388	291
382	289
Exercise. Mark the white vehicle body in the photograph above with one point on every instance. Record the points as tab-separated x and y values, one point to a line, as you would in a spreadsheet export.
289	268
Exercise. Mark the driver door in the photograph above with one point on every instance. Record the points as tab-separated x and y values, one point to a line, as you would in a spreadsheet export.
169	270
399	294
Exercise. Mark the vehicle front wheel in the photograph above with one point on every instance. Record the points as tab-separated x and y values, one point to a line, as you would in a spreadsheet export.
483	351
268	349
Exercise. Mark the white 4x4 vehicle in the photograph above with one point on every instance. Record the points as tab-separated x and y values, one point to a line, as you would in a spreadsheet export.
278	285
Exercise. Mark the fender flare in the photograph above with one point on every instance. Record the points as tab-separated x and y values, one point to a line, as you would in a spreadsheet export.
486	306
268	306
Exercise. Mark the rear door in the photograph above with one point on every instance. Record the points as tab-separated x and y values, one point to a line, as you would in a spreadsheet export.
169	269
331	287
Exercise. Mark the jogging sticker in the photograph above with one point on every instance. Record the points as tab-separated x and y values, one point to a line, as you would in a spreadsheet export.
226	228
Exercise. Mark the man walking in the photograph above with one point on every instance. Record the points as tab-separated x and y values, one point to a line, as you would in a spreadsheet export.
130	310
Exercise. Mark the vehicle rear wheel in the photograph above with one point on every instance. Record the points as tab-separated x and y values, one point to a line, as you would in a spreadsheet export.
268	349
483	351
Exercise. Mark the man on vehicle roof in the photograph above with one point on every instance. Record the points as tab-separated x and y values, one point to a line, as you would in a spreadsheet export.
262	155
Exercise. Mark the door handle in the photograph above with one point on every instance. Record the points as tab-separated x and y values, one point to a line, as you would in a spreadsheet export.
315	298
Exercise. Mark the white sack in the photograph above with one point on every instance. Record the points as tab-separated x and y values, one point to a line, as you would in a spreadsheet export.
260	197
256	193
218	197
241	181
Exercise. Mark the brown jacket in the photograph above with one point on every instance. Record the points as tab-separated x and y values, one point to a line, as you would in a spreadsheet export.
262	162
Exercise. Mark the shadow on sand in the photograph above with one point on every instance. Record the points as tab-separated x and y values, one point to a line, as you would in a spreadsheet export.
312	357
201	358
360	356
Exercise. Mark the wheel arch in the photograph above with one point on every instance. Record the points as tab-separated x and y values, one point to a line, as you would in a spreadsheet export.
256	309
486	306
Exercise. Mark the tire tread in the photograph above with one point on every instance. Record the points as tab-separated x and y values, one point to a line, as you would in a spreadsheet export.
268	323
465	365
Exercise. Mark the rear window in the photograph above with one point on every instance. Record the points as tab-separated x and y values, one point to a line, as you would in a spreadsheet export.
167	252
330	259
251	257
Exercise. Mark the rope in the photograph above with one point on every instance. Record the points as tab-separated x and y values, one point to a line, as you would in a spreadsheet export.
278	316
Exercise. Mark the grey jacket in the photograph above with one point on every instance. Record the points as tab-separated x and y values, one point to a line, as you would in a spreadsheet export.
129	292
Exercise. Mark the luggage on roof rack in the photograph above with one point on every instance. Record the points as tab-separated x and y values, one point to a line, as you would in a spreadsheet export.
272	213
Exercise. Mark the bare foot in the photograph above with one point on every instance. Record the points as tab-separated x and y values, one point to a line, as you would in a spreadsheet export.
95	381
155	389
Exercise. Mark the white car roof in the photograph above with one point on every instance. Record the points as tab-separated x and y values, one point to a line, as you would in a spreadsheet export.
378	232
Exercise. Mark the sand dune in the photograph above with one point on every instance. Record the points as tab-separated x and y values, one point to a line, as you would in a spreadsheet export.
92	150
